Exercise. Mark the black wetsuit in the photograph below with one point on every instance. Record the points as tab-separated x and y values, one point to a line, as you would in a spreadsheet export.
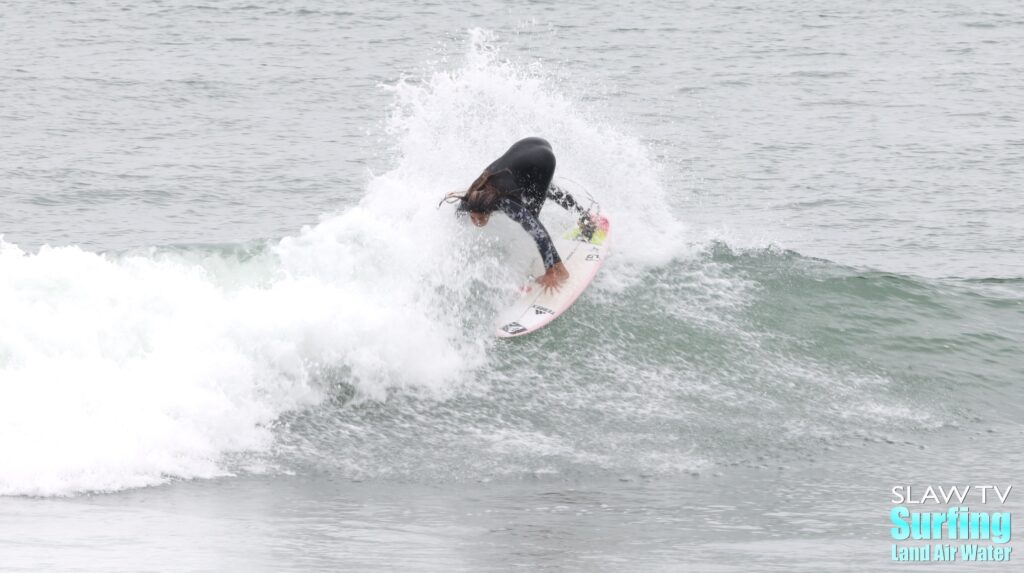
530	165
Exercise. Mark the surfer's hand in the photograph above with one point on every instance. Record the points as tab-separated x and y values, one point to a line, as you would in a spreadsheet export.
554	277
588	224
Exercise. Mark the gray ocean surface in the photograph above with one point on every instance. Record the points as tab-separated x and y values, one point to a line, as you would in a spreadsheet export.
236	334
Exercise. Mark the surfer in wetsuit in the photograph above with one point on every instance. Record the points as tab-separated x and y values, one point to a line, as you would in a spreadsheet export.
517	184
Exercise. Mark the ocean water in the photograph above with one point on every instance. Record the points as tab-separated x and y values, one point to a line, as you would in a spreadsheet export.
237	334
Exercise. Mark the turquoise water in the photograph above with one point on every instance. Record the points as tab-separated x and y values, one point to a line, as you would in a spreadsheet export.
237	334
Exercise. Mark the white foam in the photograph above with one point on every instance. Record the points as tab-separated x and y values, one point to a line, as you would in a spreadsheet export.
118	373
453	123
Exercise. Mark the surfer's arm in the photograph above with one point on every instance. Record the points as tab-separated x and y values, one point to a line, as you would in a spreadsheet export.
531	225
567	202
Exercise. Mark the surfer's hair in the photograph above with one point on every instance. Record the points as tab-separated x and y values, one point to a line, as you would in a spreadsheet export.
482	196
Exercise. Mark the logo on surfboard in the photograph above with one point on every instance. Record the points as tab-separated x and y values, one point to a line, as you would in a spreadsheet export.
513	328
538	309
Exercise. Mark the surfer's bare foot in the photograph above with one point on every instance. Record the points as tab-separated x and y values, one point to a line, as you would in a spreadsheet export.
554	278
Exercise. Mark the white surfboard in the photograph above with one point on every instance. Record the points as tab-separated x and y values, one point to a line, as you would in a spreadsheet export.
535	309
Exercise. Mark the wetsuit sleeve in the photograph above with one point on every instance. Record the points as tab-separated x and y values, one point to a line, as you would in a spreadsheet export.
565	200
529	222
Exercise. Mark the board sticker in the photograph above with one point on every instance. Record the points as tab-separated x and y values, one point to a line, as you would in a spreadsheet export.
513	328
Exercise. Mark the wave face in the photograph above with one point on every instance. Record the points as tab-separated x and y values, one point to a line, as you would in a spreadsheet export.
362	345
756	358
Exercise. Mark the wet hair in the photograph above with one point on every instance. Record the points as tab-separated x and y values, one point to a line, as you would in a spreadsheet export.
481	197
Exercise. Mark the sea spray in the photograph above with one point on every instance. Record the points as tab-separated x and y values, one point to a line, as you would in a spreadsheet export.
452	123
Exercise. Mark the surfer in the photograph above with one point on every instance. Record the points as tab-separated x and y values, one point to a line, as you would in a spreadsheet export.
517	184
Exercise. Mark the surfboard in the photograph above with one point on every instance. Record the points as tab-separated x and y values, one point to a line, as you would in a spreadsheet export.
534	309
